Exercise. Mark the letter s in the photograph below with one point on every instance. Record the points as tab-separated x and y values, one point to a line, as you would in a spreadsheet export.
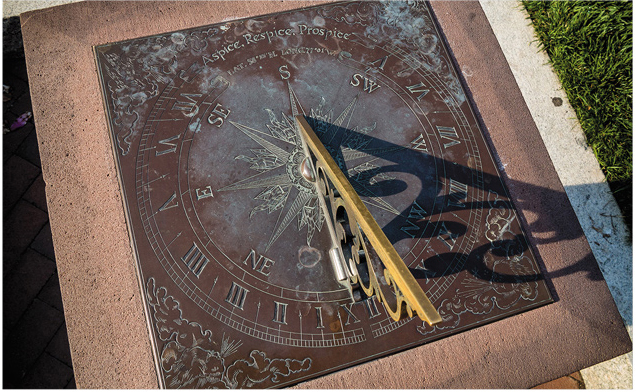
356	80
284	73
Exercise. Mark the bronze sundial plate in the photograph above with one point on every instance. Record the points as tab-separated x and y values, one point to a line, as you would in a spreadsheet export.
230	240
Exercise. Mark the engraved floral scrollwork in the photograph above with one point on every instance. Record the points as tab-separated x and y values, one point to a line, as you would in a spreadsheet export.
414	38
191	358
138	72
354	13
506	277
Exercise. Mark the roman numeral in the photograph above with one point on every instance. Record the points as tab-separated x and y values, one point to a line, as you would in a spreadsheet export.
418	88
172	147
187	75
382	62
195	260
371	307
410	229
447	237
319	324
169	203
416	214
189	107
236	296
427	272
450	134
280	312
458	192
419	144
350	315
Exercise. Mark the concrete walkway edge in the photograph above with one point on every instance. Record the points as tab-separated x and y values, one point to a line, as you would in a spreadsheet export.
577	168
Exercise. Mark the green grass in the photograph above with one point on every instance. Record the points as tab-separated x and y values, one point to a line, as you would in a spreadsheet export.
590	48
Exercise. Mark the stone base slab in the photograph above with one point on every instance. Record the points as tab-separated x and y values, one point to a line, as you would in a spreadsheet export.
106	324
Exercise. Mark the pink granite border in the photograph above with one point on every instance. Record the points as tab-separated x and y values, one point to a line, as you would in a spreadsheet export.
104	314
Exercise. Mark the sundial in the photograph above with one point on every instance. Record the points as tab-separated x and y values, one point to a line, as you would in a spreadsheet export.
252	274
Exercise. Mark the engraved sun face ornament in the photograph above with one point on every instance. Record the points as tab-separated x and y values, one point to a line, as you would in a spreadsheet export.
307	191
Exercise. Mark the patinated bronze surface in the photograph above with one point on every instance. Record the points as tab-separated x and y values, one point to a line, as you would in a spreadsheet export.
230	240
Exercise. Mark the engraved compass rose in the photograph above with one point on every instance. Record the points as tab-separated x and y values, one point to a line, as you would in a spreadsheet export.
235	247
284	187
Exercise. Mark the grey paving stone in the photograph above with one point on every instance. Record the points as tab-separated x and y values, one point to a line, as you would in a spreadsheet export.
58	346
29	149
43	242
15	76
22	285
18	175
12	140
71	384
21	104
28	340
20	228
51	294
11	34
36	194
47	373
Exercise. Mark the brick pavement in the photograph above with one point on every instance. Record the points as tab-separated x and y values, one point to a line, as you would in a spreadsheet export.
36	352
35	344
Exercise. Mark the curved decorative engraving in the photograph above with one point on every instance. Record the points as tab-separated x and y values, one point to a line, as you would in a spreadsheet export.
191	358
137	72
364	13
225	219
503	281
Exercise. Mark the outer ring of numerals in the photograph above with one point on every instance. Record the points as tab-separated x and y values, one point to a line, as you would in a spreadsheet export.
185	269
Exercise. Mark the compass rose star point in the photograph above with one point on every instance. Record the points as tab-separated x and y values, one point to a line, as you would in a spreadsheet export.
283	187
